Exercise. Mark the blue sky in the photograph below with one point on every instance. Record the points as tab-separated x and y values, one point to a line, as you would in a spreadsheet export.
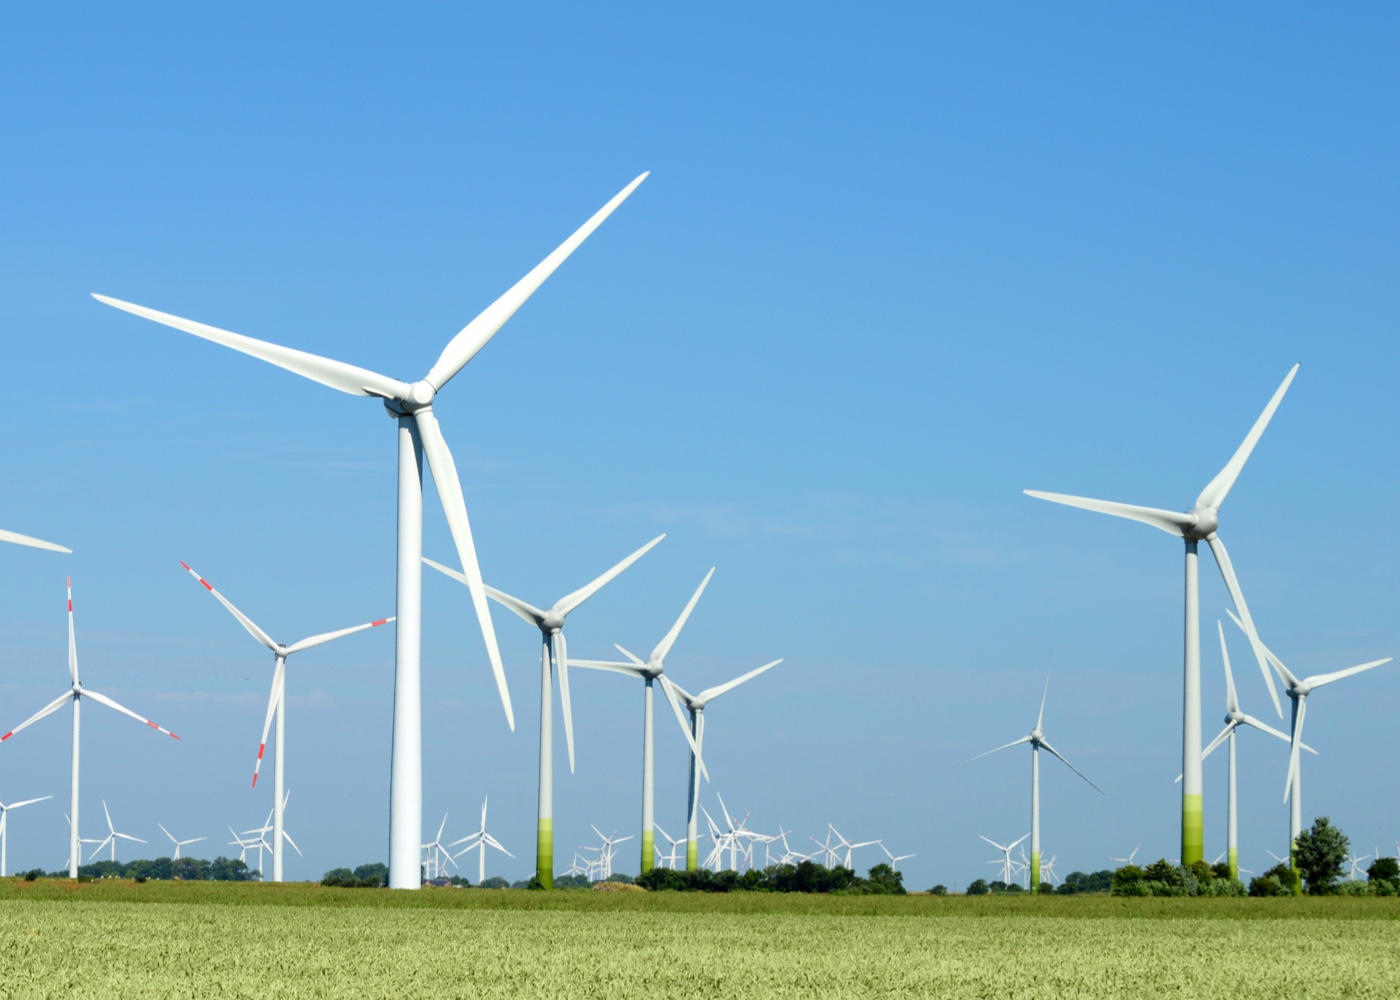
889	270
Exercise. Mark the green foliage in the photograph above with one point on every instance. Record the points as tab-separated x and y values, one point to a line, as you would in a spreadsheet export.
1076	882
571	882
1319	854
221	869
1352	887
494	882
372	876
1277	881
978	887
1384	868
939	890
1162	878
619	877
33	874
807	876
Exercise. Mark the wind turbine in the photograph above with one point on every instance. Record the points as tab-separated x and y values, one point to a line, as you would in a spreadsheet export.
1200	523
1132	854
276	703
76	693
419	435
651	671
1355	863
270	826
1298	690
895	859
112	836
695	733
1036	738
436	856
850	847
5	826
178	843
1008	867
480	840
664	860
551	626
603	866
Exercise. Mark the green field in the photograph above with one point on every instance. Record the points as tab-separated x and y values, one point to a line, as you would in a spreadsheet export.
109	939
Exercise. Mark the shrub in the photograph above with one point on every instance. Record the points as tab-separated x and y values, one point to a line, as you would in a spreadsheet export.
1384	868
978	887
939	890
1352	887
1225	887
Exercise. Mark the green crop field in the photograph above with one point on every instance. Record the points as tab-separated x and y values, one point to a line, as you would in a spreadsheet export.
112	939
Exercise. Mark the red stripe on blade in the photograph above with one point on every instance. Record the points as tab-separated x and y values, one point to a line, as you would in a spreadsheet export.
206	583
261	748
185	564
255	779
380	622
7	736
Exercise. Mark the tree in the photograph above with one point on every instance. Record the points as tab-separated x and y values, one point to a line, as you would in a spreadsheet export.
494	882
939	890
1384	868
1320	853
978	887
376	874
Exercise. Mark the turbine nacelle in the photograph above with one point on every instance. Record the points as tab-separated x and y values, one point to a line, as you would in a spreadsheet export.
1205	522
415	397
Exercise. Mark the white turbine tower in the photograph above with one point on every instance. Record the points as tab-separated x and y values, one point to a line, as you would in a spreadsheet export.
112	837
551	626
651	671
5	827
479	841
1298	690
276	704
1036	738
695	704
76	693
1200	523
179	843
1008	867
419	435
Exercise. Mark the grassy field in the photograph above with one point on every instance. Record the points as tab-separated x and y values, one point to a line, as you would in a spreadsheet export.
107	939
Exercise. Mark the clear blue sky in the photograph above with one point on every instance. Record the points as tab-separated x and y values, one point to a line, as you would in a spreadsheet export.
889	270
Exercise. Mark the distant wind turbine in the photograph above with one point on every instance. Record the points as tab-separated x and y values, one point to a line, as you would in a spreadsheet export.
5	826
179	843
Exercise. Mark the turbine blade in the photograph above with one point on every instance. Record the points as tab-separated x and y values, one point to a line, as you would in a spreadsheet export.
1232	583
474	336
15	538
325	637
571	601
72	639
1229	728
1067	764
48	709
243	619
630	655
1302	708
1322	679
1263	727
1040	719
274	697
336	374
669	689
454	505
1232	701
529	612
288	838
103	699
710	694
1283	671
1219	488
561	657
1170	521
26	802
664	646
168	834
1004	746
617	668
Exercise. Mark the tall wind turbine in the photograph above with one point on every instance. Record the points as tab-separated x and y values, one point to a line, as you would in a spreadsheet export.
411	405
276	704
1200	523
1036	738
695	704
480	840
1008	867
551	626
179	843
651	671
5	826
1298	690
76	693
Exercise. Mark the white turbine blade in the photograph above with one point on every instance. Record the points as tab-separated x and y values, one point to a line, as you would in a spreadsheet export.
72	638
1321	679
15	538
1232	701
1229	728
1170	521
168	834
103	699
711	693
617	668
474	336
26	802
561	657
48	709
98	849
669	689
127	836
194	841
1024	836
996	845
728	819
1295	742
1250	720
110	827
1232	583
664	646
629	654
243	619
1218	488
569	602
1040	719
336	374
1067	764
288	838
274	698
325	637
1283	671
1005	746
454	505
493	842
529	612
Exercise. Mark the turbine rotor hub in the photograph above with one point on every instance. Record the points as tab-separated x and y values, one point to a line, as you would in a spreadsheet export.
419	397
1205	521
552	622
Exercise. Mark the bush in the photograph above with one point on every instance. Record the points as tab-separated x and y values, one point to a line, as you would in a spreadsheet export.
978	887
1384	868
1225	887
1126	877
939	890
33	874
1277	881
494	882
1352	887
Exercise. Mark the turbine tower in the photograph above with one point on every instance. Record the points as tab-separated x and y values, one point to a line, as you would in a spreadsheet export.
652	670
551	626
419	435
276	703
1036	738
76	693
1200	523
5	826
695	704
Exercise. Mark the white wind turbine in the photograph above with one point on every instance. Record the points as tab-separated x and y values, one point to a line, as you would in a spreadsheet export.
419	435
603	866
695	704
1298	691
1132	854
436	856
1008	867
664	860
551	626
179	843
1036	738
1200	523
5	826
1355	863
651	671
276	704
895	859
850	847
76	693
112	837
270	826
479	841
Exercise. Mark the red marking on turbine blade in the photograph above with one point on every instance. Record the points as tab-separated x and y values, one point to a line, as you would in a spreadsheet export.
70	605
70	581
7	736
206	583
261	748
172	735
380	622
255	779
